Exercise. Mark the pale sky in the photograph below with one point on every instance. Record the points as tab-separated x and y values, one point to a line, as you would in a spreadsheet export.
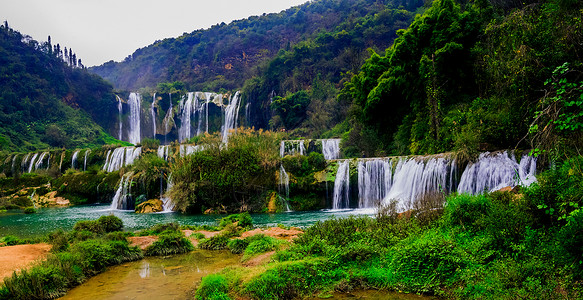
102	30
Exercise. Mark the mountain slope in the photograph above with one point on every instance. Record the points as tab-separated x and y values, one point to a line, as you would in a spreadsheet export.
44	102
224	56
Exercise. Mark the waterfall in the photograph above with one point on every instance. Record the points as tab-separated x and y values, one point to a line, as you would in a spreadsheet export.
494	171
119	110
415	177
189	149
208	99
331	149
291	147
120	157
135	111
153	115
167	119
342	186
85	159
283	181
374	181
199	109
13	164
123	193
247	115
74	158
231	116
163	152
32	160
167	202
24	162
186	108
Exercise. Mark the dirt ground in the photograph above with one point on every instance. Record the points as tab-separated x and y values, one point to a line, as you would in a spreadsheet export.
15	258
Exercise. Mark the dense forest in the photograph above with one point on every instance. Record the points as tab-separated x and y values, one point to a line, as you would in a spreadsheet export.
48	99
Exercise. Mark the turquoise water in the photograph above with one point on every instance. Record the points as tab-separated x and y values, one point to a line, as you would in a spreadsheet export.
50	219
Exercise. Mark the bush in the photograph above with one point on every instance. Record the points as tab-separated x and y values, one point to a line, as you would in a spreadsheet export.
243	220
59	240
159	228
11	240
213	287
30	210
467	211
260	243
102	225
217	242
169	242
237	246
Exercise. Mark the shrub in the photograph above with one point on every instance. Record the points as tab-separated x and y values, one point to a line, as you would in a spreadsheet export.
59	240
110	223
243	220
260	243
217	242
467	211
237	246
159	228
213	287
30	210
169	242
11	240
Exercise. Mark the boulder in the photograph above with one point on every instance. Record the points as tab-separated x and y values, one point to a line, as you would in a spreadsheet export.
150	206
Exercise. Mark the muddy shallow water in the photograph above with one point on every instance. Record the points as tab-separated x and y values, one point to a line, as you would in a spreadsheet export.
172	277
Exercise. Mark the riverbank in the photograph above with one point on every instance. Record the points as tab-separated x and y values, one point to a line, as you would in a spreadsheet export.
18	257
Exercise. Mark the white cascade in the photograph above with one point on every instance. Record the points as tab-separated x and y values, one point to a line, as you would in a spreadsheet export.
167	120
331	148
32	161
13	164
284	186
163	152
494	171
190	149
153	115
247	115
74	158
87	152
134	102
374	181
342	186
292	147
167	203
185	127
415	177
231	116
120	157
199	111
24	163
119	110
123	193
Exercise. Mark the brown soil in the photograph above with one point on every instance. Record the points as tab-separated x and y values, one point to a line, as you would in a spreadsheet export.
142	241
276	232
259	259
15	258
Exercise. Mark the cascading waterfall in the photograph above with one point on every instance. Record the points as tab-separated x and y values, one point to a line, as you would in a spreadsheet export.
331	149
163	152
247	115
284	185
74	158
134	102
416	177
374	180
185	127
87	152
494	171
153	115
32	161
24	163
292	147
123	194
190	149
167	203
231	116
119	109
167	120
13	164
120	157
342	186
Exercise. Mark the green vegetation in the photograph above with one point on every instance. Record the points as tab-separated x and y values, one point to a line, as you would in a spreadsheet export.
500	245
45	102
169	242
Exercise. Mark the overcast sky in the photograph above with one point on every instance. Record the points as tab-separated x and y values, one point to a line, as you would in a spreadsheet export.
103	30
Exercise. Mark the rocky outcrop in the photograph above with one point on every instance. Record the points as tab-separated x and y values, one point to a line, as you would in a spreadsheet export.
150	206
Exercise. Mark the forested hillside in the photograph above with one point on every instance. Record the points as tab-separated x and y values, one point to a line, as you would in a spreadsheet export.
47	98
225	55
473	76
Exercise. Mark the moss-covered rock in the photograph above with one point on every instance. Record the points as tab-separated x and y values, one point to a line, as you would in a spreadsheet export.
150	206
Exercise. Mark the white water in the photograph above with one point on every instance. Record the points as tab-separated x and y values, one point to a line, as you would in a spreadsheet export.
331	149
185	127
163	152
123	193
74	158
284	185
374	181
167	202
13	164
231	116
341	186
292	147
119	109
32	160
190	149
153	115
135	103
494	171
122	156
85	159
24	163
